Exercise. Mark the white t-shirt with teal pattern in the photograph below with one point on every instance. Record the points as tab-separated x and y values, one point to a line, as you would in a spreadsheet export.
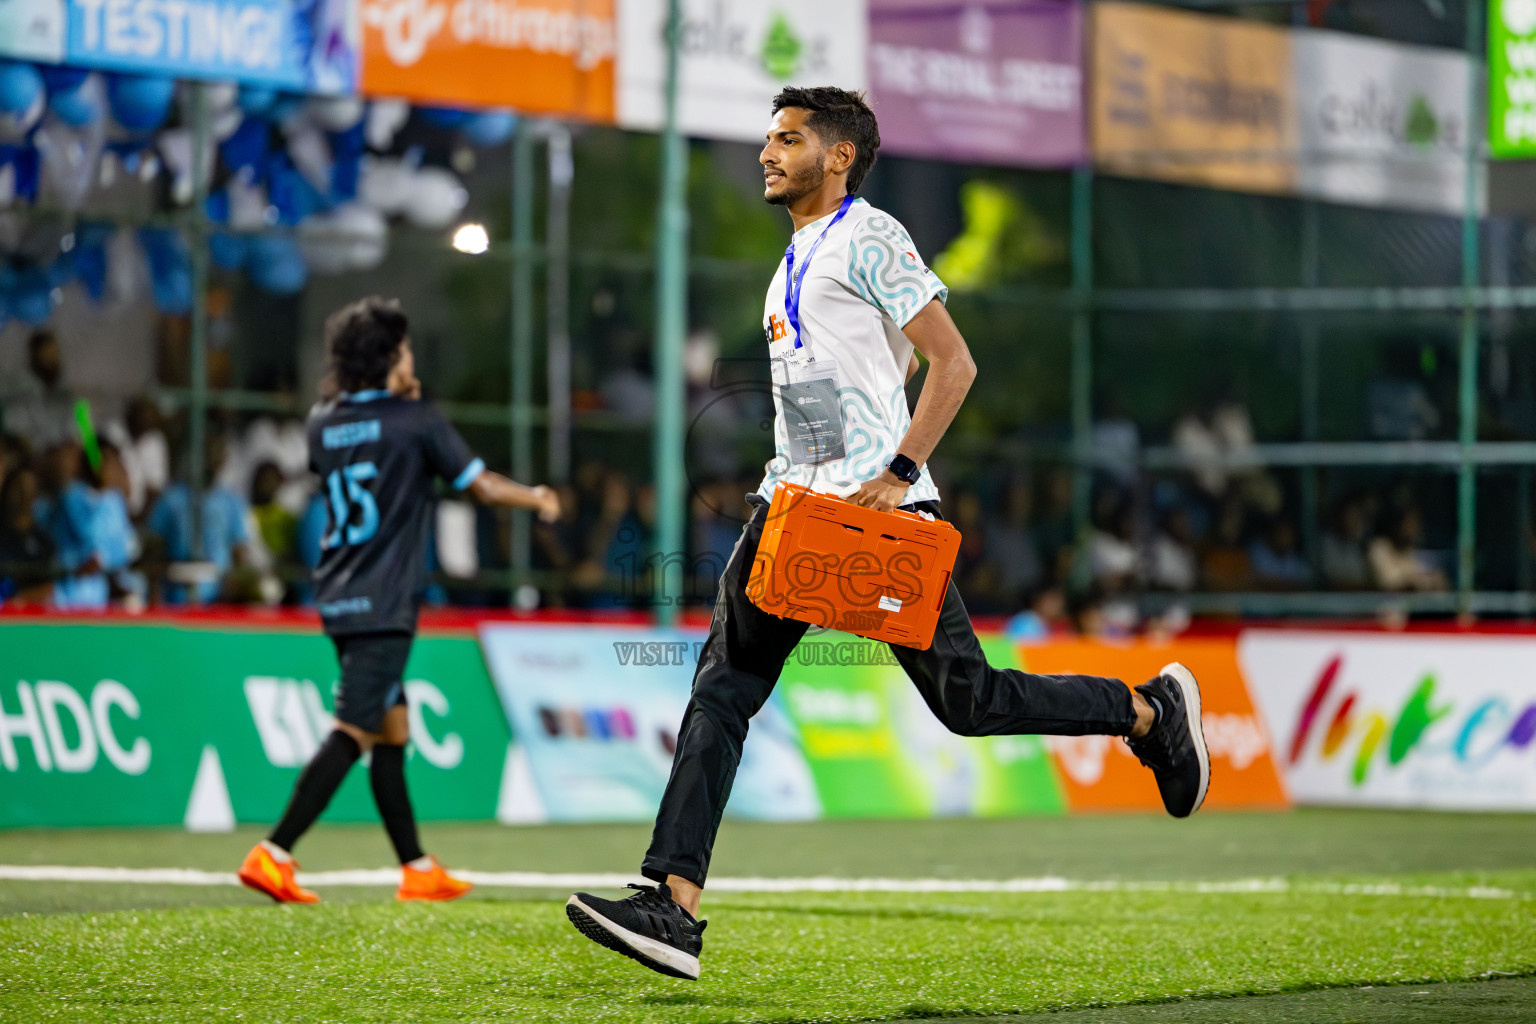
864	285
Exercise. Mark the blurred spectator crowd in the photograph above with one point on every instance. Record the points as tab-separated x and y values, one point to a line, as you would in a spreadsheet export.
94	515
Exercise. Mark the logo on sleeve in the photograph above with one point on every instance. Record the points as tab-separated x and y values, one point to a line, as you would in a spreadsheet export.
777	329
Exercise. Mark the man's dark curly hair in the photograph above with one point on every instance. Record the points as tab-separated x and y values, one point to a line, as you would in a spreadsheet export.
363	342
838	115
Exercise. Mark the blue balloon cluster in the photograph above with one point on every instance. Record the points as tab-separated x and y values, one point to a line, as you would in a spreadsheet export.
274	263
140	103
20	87
27	292
481	128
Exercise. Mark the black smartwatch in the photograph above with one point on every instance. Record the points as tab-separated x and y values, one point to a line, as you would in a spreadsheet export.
903	468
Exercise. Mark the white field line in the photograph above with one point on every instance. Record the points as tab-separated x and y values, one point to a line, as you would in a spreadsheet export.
542	880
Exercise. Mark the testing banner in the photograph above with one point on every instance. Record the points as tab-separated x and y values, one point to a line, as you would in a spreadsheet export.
1512	78
116	724
735	56
1399	720
994	83
552	57
266	42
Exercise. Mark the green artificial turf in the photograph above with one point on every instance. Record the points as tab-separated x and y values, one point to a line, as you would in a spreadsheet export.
222	954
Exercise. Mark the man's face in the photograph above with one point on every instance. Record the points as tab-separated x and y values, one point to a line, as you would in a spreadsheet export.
402	376
45	361
794	159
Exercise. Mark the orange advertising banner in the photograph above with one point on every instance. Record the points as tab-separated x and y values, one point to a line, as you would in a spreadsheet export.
1193	98
537	56
1099	773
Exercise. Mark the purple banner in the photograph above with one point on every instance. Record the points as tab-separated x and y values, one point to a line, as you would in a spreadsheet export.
988	81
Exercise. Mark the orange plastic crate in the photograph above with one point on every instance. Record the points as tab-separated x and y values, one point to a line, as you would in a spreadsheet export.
880	575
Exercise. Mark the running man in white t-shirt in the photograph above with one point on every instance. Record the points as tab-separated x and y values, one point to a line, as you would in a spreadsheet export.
849	304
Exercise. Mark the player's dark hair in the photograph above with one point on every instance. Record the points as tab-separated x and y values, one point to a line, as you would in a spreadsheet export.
363	342
838	115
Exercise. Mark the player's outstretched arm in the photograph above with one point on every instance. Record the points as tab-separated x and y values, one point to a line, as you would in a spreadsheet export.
950	372
495	489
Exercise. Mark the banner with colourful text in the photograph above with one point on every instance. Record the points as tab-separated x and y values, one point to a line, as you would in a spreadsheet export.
1399	720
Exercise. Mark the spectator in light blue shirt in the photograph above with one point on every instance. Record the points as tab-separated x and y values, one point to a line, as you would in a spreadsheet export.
223	526
88	522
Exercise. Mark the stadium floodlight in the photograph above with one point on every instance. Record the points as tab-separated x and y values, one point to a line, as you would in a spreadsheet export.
472	239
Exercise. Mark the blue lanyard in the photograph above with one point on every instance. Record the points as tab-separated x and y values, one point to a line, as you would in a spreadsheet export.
792	286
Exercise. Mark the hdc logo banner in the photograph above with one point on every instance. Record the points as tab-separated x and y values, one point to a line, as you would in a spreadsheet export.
1400	721
143	725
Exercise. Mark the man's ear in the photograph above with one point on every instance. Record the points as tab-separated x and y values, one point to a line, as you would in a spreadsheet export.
840	157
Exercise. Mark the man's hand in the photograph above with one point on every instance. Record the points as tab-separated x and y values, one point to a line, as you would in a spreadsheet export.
882	494
548	503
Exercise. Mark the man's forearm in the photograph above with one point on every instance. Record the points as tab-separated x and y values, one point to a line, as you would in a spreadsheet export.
495	489
944	391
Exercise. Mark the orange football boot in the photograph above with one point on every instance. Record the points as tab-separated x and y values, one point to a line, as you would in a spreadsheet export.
264	873
433	884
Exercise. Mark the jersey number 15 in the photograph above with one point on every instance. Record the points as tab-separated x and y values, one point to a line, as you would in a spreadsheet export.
348	495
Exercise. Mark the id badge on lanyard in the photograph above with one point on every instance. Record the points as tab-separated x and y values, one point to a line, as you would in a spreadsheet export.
812	410
808	386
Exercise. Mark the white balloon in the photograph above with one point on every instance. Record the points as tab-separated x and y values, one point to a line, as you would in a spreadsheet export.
335	113
436	198
222	95
368	234
69	160
350	237
385	184
385	118
224	116
14	126
248	206
311	155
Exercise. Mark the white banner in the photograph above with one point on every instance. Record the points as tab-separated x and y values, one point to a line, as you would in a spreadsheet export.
1382	124
1399	720
736	55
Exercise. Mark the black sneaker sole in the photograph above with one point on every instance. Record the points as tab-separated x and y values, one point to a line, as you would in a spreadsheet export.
611	936
1195	722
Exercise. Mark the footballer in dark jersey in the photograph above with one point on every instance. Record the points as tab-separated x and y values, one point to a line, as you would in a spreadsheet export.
379	452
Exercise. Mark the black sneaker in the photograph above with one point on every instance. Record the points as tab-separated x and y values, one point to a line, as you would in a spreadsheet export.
648	927
1175	748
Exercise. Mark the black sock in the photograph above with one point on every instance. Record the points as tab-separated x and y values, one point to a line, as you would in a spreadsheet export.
317	783
387	773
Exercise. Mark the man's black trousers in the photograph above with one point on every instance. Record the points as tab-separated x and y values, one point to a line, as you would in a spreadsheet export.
741	662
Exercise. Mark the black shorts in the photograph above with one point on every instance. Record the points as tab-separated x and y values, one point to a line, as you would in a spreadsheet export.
372	676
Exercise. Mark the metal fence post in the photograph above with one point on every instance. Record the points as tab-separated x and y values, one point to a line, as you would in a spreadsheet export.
1081	386
671	315
1466	481
197	244
522	344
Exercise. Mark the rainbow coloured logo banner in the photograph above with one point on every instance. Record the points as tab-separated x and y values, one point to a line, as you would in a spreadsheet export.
1392	720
